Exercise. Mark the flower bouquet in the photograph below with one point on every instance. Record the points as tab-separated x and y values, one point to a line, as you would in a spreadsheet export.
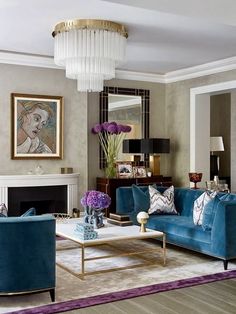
94	202
110	136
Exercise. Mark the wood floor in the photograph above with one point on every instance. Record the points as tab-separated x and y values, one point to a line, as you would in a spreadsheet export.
213	298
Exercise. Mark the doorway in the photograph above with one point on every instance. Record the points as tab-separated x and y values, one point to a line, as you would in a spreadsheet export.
200	129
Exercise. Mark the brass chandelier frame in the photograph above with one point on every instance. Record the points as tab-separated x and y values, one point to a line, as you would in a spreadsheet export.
90	24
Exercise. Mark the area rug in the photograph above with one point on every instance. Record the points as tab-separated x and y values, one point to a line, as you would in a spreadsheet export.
184	268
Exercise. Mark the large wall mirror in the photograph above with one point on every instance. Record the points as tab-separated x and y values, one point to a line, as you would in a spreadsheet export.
126	106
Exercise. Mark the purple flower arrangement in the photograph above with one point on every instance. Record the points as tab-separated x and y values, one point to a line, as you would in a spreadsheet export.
95	199
110	136
111	128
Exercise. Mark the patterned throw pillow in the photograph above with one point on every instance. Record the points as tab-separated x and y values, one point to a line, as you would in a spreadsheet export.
199	204
3	210
162	203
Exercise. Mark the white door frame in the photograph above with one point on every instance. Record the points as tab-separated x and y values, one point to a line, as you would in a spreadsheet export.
194	102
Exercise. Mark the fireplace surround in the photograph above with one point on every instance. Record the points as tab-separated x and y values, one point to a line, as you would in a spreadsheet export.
47	192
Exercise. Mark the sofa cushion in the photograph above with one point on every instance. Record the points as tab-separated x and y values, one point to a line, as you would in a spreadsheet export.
199	205
184	200
141	198
180	226
162	203
210	209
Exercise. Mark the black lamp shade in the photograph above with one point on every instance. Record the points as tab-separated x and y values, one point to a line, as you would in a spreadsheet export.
155	145
132	146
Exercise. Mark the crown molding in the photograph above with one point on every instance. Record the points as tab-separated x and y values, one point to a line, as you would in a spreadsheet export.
201	70
27	60
140	76
170	77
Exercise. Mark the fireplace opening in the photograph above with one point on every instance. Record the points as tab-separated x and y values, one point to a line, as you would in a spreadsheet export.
45	199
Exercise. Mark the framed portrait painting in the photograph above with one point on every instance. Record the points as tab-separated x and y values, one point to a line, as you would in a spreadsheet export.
37	126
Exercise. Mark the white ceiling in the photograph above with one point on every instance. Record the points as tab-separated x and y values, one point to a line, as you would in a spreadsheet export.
164	36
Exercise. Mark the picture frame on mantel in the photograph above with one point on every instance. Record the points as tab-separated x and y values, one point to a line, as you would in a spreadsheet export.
36	126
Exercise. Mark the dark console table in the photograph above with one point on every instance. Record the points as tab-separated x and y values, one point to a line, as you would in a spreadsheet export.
109	186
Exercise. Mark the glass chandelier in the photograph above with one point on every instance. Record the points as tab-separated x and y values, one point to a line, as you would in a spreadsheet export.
90	50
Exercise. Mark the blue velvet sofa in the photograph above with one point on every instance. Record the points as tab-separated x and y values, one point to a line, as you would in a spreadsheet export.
27	255
219	241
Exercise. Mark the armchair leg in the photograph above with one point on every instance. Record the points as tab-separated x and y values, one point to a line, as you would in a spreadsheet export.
225	264
52	294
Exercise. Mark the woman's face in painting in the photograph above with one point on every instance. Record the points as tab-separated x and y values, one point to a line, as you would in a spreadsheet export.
33	122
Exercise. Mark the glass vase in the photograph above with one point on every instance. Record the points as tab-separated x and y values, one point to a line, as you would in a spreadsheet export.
110	170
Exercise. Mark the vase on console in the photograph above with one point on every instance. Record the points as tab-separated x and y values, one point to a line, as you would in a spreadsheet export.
195	177
110	169
110	136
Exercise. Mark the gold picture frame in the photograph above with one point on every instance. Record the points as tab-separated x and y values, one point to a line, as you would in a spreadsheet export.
124	169
36	126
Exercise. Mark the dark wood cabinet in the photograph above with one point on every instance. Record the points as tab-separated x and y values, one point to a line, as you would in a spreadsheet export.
109	186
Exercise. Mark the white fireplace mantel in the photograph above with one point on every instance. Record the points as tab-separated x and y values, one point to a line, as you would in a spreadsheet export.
71	180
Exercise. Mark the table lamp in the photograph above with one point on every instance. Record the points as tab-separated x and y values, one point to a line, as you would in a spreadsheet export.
216	145
154	147
133	146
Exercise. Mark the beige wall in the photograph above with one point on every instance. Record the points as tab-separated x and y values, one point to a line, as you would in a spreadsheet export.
169	117
81	112
32	80
177	121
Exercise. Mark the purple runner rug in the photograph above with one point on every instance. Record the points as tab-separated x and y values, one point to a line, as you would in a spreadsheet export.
125	294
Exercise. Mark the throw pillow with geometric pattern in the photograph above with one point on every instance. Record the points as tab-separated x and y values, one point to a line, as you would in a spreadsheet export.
199	204
162	203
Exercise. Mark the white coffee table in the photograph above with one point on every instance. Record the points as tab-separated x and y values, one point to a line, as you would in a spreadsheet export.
106	235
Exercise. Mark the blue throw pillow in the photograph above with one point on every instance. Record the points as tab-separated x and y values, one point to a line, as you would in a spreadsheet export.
141	198
210	209
29	212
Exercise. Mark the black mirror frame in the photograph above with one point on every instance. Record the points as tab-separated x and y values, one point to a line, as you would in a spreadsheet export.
103	106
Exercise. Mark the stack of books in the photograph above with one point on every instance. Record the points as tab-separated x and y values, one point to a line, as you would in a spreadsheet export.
119	220
85	231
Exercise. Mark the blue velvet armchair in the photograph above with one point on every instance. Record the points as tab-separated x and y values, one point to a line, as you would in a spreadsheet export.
27	255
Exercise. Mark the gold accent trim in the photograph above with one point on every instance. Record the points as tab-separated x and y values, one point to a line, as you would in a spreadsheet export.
90	24
82	275
141	254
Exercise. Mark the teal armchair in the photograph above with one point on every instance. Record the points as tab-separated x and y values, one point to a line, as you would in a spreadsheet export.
27	255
